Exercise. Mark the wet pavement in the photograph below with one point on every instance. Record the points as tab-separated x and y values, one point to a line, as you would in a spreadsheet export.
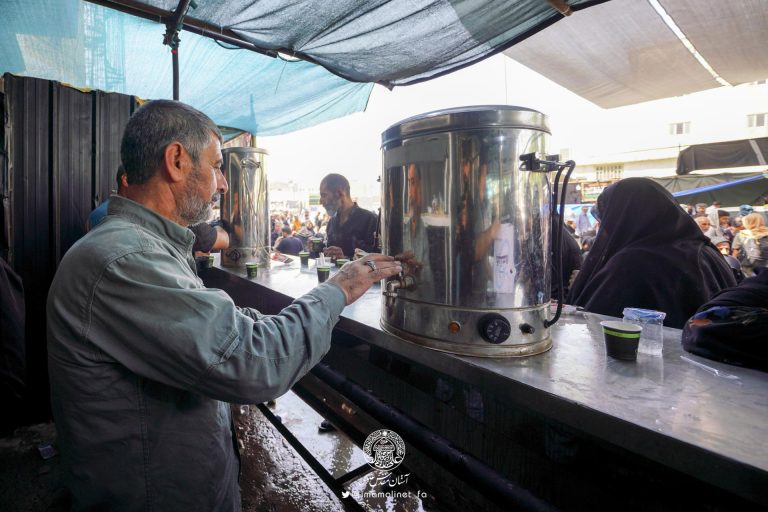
275	478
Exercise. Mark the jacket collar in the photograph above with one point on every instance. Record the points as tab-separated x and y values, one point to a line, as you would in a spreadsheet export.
176	234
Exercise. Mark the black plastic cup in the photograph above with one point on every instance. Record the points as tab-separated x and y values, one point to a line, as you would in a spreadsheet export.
323	273
340	262
621	339
316	244
203	262
304	256
252	269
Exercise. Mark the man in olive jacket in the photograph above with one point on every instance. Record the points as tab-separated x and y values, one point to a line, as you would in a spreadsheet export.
143	358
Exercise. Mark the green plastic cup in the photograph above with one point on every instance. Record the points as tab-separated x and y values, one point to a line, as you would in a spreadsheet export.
340	262
252	268
322	273
304	256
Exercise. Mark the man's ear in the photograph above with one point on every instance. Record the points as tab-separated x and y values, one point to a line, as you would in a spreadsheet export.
176	161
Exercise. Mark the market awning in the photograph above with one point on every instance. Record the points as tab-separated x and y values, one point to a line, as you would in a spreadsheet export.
723	155
630	51
263	90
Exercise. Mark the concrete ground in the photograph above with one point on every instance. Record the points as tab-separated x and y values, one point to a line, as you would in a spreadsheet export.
274	478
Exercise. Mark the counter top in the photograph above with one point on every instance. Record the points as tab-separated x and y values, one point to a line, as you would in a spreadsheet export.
701	417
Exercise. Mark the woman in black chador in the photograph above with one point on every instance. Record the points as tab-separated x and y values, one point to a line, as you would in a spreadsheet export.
648	254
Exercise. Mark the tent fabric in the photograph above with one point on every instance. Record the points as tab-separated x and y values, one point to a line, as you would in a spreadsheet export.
730	189
89	46
392	42
723	155
632	56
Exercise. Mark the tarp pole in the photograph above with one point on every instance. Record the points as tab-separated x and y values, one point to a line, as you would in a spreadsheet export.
171	38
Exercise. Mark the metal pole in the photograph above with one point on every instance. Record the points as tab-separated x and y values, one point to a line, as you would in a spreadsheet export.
488	481
171	38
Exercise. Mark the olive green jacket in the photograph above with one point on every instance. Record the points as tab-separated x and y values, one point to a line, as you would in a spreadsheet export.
143	360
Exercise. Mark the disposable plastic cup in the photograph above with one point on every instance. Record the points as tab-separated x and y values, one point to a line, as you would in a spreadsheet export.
621	339
340	262
652	322
322	273
252	269
304	256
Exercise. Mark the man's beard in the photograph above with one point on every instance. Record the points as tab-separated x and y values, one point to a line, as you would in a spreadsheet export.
193	209
332	207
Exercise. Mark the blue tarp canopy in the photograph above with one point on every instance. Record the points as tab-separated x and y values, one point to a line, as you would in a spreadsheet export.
345	46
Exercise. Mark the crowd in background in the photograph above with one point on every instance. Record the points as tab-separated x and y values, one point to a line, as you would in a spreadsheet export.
741	238
299	225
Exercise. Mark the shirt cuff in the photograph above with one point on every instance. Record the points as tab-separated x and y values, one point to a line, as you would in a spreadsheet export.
333	296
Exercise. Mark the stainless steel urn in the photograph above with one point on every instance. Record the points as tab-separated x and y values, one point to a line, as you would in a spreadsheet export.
246	206
472	227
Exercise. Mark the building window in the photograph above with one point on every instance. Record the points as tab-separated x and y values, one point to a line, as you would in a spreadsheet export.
757	120
609	172
679	128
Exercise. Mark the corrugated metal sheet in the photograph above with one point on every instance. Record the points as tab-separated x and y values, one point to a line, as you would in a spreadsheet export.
60	153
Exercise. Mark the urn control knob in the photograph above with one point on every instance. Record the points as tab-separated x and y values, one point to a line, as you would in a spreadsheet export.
494	328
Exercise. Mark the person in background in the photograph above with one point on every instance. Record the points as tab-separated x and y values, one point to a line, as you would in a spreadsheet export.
724	227
750	246
209	236
571	260
731	326
306	232
277	232
101	211
143	358
744	210
724	246
705	226
350	227
289	244
583	224
711	212
701	210
633	263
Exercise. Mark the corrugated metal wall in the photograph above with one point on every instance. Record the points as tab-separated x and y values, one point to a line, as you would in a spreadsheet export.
60	153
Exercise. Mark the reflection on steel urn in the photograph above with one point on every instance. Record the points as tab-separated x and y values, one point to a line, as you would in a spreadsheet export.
246	206
472	229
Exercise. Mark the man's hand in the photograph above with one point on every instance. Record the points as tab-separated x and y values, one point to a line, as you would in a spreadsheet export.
355	277
409	262
333	252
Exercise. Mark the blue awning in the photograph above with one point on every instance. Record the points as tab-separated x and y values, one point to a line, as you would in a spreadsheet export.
93	47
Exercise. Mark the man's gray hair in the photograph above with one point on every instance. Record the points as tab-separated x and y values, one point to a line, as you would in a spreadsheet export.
336	183
153	127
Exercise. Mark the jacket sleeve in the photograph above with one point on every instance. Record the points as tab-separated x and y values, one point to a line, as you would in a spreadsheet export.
158	321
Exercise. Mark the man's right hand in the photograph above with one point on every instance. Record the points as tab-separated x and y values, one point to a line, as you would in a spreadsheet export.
333	252
356	277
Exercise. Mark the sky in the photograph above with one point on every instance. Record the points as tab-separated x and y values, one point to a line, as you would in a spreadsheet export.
351	145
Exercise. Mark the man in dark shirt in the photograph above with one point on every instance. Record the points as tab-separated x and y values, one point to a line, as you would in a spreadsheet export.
350	227
289	244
